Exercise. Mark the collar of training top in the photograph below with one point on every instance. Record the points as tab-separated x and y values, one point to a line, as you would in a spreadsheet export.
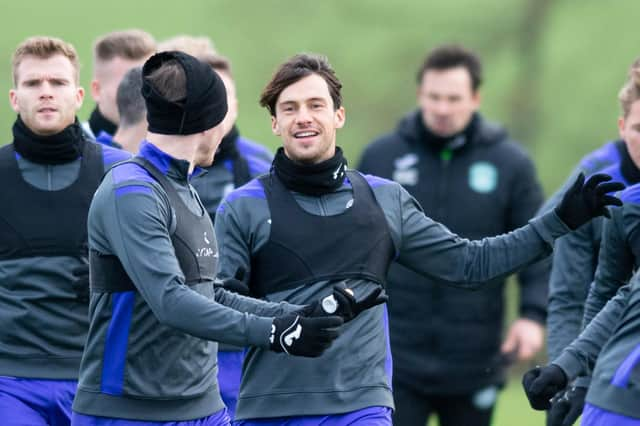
204	106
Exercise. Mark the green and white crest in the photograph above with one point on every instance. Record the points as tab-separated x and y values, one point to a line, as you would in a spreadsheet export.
483	177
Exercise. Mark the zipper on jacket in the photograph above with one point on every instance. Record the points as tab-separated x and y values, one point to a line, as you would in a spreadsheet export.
49	179
445	159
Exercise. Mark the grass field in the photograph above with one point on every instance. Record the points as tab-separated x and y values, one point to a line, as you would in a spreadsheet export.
512	408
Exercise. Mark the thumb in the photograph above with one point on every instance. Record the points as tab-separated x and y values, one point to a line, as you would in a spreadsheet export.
510	343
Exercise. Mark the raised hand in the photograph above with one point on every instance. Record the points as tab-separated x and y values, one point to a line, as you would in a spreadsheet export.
584	201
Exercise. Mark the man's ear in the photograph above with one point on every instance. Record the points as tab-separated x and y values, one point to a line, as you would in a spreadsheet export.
95	90
274	126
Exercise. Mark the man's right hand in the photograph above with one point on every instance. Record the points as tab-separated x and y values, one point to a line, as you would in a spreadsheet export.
302	336
542	383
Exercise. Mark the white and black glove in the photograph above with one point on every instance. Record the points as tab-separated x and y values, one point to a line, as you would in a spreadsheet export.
297	335
567	406
343	303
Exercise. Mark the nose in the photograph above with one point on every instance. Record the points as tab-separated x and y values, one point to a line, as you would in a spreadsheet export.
303	116
441	107
46	90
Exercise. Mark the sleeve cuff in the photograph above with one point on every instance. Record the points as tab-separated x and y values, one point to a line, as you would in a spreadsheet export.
259	331
570	365
549	226
534	314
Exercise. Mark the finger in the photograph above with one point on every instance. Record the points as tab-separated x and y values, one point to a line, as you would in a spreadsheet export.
578	183
610	200
596	179
529	377
539	386
509	344
240	273
572	415
372	299
325	322
605	188
345	292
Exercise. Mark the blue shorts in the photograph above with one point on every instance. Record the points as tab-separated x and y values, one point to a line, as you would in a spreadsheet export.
36	401
229	376
595	416
370	416
221	418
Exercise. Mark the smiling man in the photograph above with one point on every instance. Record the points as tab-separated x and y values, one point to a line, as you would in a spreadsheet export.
49	173
311	224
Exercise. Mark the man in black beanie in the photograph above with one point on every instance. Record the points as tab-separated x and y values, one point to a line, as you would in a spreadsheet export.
156	314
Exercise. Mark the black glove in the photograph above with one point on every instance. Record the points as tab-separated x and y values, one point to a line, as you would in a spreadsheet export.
567	406
80	283
342	303
310	337
542	383
236	284
584	201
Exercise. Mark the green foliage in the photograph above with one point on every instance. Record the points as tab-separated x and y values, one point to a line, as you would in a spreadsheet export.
376	46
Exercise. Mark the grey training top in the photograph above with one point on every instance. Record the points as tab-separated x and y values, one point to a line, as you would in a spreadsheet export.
355	372
150	353
43	325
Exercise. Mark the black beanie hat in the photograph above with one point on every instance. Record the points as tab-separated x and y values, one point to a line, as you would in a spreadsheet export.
204	107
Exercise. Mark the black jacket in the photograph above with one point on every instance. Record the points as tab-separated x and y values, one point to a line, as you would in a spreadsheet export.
445	340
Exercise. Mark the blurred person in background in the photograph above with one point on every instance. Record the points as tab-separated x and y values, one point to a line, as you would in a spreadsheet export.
132	112
468	174
311	225
49	172
113	55
598	252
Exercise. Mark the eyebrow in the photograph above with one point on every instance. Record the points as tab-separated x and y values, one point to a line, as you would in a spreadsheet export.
314	99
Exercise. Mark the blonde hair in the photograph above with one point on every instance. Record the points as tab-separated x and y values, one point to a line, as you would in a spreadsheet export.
195	46
131	44
630	92
43	47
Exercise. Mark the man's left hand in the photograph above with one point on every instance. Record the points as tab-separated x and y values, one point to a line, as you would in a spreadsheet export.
343	303
525	338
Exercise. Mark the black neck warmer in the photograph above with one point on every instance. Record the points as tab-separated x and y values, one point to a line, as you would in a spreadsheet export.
227	149
311	179
100	123
453	141
628	168
204	106
60	148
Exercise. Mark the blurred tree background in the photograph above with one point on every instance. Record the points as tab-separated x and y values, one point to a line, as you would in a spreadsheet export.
552	67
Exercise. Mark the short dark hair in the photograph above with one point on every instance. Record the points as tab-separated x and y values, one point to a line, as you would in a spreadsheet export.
131	106
451	56
295	69
170	80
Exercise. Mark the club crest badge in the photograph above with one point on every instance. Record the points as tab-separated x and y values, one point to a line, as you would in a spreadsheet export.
483	177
